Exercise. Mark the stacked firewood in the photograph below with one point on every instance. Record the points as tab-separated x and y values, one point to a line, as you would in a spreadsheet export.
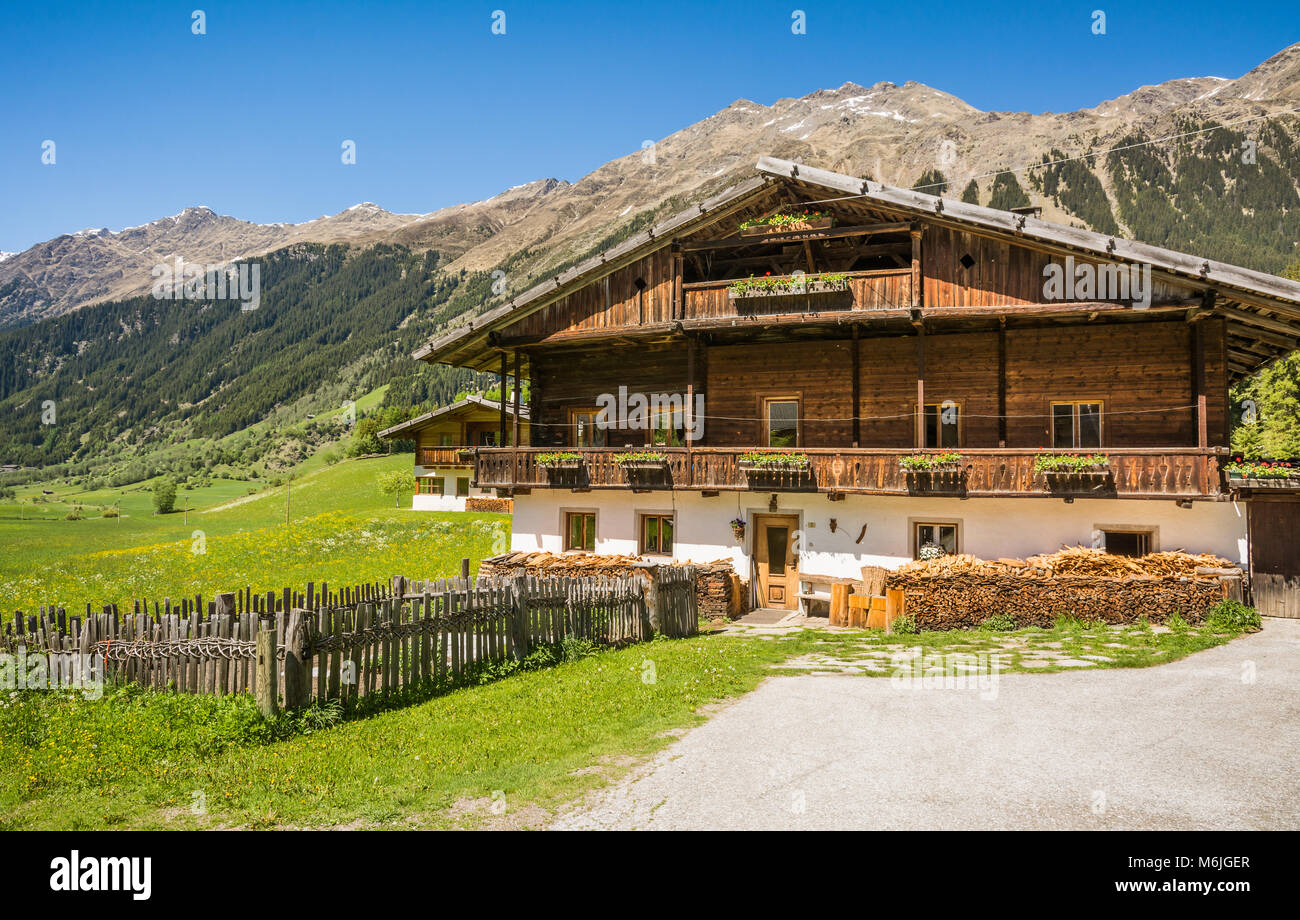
1074	560
962	592
719	592
571	564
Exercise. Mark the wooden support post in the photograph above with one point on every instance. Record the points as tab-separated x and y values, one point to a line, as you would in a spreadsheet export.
1198	385
920	386
688	410
1002	383
501	441
225	607
268	684
514	435
918	299
678	310
519	618
856	387
297	684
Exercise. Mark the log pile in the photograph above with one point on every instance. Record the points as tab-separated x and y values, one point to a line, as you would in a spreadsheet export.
720	592
955	592
489	504
717	588
1073	560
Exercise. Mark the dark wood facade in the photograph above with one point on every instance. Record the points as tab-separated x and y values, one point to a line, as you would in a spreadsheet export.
926	312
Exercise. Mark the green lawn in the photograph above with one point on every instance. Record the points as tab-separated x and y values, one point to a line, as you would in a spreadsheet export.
341	530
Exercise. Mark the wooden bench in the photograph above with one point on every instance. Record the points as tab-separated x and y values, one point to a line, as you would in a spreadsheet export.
810	594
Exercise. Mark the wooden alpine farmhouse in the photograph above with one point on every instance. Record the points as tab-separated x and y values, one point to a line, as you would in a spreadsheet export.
443	467
811	373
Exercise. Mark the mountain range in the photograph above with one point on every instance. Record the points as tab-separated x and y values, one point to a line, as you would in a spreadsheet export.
1207	164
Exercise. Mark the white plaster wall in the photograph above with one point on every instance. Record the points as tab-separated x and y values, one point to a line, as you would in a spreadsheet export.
437	503
989	527
447	501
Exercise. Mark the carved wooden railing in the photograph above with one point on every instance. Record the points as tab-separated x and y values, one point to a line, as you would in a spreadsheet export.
1175	472
874	290
441	456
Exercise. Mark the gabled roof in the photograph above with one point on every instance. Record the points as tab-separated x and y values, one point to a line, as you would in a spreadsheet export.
469	403
1113	248
1241	292
603	263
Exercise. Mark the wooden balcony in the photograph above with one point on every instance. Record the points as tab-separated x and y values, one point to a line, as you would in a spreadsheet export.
442	457
874	290
1167	473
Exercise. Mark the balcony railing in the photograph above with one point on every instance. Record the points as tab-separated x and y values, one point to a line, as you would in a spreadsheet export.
874	290
1176	472
442	456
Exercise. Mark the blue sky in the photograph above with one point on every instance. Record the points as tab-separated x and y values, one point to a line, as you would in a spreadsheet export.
248	119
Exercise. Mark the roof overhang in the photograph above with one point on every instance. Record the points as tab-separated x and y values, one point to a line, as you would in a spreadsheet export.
445	413
1262	310
460	344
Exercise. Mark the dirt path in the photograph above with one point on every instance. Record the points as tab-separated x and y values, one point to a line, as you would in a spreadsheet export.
1211	741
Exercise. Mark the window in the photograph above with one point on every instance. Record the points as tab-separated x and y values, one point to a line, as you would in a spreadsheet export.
445	440
580	530
944	535
668	428
586	433
781	416
462	486
657	534
942	425
1128	542
428	485
488	438
1076	425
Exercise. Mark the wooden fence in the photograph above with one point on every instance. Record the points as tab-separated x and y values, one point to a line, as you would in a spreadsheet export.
292	647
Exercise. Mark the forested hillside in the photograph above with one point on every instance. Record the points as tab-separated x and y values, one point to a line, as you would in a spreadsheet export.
333	323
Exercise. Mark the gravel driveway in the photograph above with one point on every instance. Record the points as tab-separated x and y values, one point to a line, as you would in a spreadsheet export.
1200	743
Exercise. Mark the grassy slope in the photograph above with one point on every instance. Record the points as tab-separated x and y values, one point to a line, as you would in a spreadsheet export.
342	530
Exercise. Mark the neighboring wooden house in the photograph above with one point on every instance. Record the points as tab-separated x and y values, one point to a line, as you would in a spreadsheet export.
443	474
922	327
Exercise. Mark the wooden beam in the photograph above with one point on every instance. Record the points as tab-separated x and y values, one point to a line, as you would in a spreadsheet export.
857	386
1263	322
515	405
797	236
679	301
920	386
1002	383
917	299
1198	384
501	442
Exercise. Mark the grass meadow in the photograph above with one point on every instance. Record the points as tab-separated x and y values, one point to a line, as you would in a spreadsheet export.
340	530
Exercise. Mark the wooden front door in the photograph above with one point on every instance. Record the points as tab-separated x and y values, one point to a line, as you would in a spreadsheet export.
1274	558
778	566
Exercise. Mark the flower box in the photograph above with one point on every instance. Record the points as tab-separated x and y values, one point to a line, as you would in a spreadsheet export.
1262	474
1057	465
560	461
795	287
1247	481
643	460
759	462
914	464
802	225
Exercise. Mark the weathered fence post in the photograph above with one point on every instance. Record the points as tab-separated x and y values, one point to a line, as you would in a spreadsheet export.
296	685
267	668
651	617
519	617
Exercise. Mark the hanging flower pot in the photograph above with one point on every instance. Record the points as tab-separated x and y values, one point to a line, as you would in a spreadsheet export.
738	528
